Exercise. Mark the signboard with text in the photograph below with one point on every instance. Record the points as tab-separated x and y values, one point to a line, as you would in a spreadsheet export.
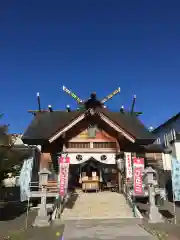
63	172
128	165
138	167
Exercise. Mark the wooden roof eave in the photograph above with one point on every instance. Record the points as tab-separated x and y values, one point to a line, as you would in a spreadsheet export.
108	121
34	141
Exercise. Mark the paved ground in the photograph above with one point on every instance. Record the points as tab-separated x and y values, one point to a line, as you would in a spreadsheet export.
14	225
110	229
82	230
167	230
87	229
117	223
97	205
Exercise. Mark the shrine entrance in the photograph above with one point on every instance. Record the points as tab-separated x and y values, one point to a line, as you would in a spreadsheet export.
93	175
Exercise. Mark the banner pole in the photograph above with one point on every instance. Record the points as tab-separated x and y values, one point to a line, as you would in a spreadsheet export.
133	198
174	202
174	210
27	214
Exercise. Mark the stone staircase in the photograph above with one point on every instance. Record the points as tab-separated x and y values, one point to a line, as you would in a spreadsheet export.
102	205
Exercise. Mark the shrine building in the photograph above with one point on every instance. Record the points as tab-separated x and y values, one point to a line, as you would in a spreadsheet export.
97	141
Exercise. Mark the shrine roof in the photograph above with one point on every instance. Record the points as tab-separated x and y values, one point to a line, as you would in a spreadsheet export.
157	148
167	123
45	124
130	123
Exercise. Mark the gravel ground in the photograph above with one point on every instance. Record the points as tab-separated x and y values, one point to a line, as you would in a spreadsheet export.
163	230
13	219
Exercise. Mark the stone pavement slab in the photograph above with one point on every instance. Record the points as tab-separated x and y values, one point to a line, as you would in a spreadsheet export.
109	229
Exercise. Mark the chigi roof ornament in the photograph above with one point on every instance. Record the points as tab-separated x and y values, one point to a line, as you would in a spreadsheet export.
92	102
132	107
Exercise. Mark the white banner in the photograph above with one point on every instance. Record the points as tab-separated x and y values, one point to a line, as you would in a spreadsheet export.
128	164
25	179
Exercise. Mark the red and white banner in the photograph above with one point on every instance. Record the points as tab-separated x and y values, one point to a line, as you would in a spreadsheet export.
138	162
128	164
138	167
63	172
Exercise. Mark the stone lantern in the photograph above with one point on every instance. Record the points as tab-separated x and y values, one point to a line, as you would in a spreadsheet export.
120	167
42	219
43	177
149	174
153	213
120	164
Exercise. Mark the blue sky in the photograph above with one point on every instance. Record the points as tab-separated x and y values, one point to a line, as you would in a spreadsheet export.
89	46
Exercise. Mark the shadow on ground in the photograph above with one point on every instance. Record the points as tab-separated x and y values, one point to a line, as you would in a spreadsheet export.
12	210
10	205
71	201
16	227
143	208
166	214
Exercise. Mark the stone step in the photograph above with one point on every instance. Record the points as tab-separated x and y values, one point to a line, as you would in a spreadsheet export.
97	206
104	229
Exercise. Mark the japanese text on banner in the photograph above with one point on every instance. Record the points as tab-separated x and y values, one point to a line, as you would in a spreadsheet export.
138	166
128	165
63	171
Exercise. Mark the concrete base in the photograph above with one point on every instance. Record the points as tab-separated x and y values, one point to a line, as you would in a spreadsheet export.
154	216
41	222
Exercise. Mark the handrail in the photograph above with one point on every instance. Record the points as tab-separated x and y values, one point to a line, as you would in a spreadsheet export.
132	204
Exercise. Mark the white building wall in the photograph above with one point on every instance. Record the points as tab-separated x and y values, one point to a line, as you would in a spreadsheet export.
166	134
167	162
177	150
160	135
